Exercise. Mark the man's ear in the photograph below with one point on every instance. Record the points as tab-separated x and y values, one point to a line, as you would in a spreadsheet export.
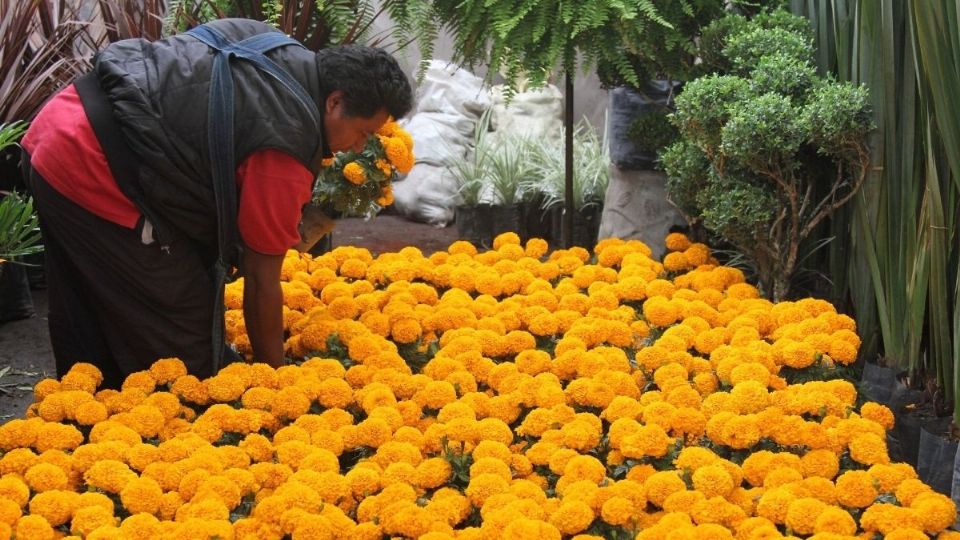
334	100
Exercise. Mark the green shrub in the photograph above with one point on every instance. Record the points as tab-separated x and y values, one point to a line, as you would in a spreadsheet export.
745	50
652	132
769	149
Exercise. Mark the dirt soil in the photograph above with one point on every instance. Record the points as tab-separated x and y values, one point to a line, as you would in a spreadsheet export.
26	355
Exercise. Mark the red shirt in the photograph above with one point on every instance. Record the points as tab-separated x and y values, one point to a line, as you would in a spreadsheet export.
272	185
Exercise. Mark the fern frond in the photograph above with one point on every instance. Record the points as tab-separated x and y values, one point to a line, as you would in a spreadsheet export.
650	11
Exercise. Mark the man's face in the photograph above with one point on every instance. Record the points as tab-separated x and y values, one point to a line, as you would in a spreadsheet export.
343	132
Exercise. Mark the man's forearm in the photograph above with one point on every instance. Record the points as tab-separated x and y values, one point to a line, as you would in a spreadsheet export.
263	315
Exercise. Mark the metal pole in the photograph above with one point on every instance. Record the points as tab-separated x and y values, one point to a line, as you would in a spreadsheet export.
568	162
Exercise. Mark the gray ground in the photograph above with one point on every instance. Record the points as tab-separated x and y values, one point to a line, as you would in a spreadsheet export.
26	356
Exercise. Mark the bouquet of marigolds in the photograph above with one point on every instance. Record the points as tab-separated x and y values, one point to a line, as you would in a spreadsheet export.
359	183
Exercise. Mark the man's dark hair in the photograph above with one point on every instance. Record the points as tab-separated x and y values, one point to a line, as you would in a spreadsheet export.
370	79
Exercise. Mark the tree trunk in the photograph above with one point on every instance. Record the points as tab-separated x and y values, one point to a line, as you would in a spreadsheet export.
781	287
568	162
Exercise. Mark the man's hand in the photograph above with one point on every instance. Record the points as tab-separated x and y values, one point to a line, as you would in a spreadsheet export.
314	225
263	305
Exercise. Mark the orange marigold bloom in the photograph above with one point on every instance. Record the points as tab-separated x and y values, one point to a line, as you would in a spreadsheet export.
57	507
90	518
167	370
878	413
10	511
33	527
712	481
835	520
572	517
936	511
354	173
677	242
141	495
774	504
45	477
798	355
44	388
802	514
484	486
856	489
662	484
397	152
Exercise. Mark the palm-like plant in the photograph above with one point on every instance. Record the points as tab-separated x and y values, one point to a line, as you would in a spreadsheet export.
41	50
509	167
124	19
591	174
471	173
903	225
19	227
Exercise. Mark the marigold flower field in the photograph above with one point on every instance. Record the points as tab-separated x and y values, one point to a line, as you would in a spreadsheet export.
512	393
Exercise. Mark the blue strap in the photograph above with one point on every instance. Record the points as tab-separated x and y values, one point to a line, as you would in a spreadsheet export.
220	138
252	49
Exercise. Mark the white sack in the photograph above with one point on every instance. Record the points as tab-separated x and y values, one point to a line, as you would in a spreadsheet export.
531	113
427	195
450	101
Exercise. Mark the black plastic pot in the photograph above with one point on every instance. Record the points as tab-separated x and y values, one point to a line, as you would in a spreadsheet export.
877	383
324	245
555	217
16	301
626	104
536	220
506	218
906	429
586	225
937	455
955	491
473	224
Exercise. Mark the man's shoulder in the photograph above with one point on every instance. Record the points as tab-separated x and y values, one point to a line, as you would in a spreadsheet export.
237	29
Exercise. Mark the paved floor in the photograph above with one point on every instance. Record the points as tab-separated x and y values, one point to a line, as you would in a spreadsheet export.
26	356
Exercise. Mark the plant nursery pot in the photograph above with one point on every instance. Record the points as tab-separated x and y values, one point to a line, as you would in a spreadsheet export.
955	490
877	383
906	428
473	224
506	218
625	105
555	218
16	301
937	455
586	226
536	221
324	245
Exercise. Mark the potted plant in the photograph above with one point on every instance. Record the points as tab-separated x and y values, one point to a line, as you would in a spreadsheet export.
508	166
768	151
470	174
590	180
19	226
648	73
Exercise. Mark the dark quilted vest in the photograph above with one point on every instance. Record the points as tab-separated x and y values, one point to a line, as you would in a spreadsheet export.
159	91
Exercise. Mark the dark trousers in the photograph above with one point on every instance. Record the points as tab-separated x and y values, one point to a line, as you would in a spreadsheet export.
116	302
